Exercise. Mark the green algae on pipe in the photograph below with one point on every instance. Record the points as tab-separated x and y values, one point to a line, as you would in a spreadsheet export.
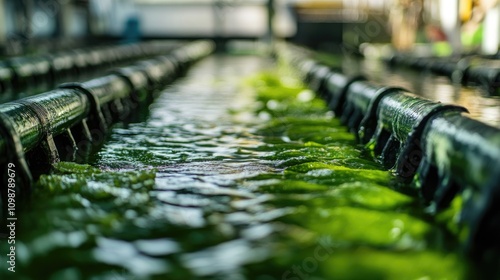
48	113
462	156
462	148
191	52
36	120
55	111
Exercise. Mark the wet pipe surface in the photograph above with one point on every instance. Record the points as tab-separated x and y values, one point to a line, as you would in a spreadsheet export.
238	172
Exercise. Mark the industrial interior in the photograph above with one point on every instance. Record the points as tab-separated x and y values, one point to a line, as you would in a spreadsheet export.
250	139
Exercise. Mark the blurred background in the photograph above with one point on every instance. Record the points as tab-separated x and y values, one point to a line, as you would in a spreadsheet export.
451	26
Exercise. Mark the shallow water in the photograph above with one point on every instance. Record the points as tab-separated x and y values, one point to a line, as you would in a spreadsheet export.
216	184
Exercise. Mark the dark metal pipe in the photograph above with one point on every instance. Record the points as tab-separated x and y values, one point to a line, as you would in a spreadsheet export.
483	71
444	152
48	113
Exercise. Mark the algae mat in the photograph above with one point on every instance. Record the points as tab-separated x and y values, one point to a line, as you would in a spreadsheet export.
237	173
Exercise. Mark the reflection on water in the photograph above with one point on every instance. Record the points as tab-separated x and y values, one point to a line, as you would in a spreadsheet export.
205	188
480	105
189	121
258	203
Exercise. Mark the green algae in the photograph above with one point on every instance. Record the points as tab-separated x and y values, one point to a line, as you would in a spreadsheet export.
367	263
451	218
370	195
358	194
93	193
338	191
282	95
73	207
325	173
291	186
365	227
205	212
92	183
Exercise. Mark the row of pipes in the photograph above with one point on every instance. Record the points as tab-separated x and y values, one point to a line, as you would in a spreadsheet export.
70	121
22	75
469	70
434	148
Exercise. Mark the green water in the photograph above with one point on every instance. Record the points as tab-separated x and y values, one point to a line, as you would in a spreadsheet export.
238	173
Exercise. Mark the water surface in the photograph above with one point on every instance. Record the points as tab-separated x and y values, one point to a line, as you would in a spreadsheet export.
232	177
